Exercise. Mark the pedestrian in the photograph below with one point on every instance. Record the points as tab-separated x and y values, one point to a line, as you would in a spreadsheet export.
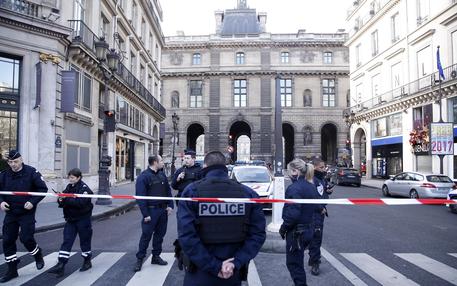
297	226
218	239
77	213
20	211
186	174
153	182
323	190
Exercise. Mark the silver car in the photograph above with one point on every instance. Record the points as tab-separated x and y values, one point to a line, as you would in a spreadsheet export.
418	185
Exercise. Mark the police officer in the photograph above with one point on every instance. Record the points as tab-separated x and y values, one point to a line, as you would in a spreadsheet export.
323	190
77	213
297	226
218	239
153	182
186	174
20	211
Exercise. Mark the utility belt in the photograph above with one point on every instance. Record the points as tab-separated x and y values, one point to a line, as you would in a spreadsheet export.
184	262
158	206
301	232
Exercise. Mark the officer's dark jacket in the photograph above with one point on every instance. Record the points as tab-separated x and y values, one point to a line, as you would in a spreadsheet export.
320	180
294	214
76	208
209	257
155	184
28	179
192	174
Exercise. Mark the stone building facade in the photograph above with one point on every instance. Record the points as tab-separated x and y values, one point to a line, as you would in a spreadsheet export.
43	39
223	86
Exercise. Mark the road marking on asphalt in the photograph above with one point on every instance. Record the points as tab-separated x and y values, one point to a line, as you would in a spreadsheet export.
29	271
100	264
342	269
378	270
158	272
453	254
18	254
431	265
253	275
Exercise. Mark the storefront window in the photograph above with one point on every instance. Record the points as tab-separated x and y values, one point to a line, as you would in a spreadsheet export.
387	126
422	116
452	110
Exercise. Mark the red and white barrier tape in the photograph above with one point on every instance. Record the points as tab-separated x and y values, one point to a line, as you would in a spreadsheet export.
348	201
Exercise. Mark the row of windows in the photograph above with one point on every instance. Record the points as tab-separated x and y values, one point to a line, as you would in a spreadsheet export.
240	58
240	94
131	116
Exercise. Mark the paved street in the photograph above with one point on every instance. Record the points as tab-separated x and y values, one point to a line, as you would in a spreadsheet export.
363	245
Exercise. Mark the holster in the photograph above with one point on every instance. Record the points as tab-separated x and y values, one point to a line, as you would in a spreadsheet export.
297	236
244	272
184	263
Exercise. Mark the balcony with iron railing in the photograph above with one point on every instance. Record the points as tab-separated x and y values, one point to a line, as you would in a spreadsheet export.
32	8
84	36
426	83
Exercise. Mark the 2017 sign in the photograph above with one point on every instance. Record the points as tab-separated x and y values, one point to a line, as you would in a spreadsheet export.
442	138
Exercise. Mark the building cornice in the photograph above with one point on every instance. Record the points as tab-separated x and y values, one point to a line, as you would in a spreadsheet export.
253	44
424	35
22	22
253	73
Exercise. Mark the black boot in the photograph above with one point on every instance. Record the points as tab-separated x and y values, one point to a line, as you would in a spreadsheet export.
138	264
315	269
86	264
58	269
12	271
158	260
39	260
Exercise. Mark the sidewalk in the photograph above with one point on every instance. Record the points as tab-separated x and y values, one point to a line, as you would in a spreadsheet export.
49	216
372	183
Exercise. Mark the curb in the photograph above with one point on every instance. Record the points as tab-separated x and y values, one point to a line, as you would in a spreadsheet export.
113	212
371	187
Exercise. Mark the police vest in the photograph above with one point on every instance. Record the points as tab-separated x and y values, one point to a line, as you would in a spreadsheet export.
221	222
157	186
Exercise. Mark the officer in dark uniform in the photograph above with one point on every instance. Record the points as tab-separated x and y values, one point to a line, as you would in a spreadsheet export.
20	211
153	182
297	226
218	239
187	173
77	213
323	190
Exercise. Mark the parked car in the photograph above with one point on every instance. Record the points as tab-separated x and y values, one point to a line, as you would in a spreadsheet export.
418	185
346	176
258	178
452	195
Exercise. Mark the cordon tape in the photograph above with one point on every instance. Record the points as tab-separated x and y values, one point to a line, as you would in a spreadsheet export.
345	201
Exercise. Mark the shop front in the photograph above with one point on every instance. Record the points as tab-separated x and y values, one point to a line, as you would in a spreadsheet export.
387	157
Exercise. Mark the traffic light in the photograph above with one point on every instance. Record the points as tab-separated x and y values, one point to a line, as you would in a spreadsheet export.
230	140
110	120
348	143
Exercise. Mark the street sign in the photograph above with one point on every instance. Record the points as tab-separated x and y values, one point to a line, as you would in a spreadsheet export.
230	149
442	138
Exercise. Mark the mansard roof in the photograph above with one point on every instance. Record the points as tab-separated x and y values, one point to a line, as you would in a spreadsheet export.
240	22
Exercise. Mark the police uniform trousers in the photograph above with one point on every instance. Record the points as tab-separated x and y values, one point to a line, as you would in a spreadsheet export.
202	278
81	227
155	228
316	242
11	225
295	252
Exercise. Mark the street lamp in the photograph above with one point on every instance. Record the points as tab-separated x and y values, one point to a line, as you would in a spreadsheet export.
349	119
175	120
111	60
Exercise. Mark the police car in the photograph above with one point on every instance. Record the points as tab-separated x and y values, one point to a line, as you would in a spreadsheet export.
257	178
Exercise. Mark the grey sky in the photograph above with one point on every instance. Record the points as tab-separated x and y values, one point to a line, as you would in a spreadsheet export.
196	17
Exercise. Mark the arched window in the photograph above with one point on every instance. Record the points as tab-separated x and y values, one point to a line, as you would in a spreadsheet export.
240	58
196	59
175	99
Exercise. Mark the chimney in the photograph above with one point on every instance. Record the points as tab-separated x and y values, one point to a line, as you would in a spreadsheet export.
262	21
219	15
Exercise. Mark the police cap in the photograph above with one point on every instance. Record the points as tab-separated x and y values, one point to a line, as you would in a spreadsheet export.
13	154
189	152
